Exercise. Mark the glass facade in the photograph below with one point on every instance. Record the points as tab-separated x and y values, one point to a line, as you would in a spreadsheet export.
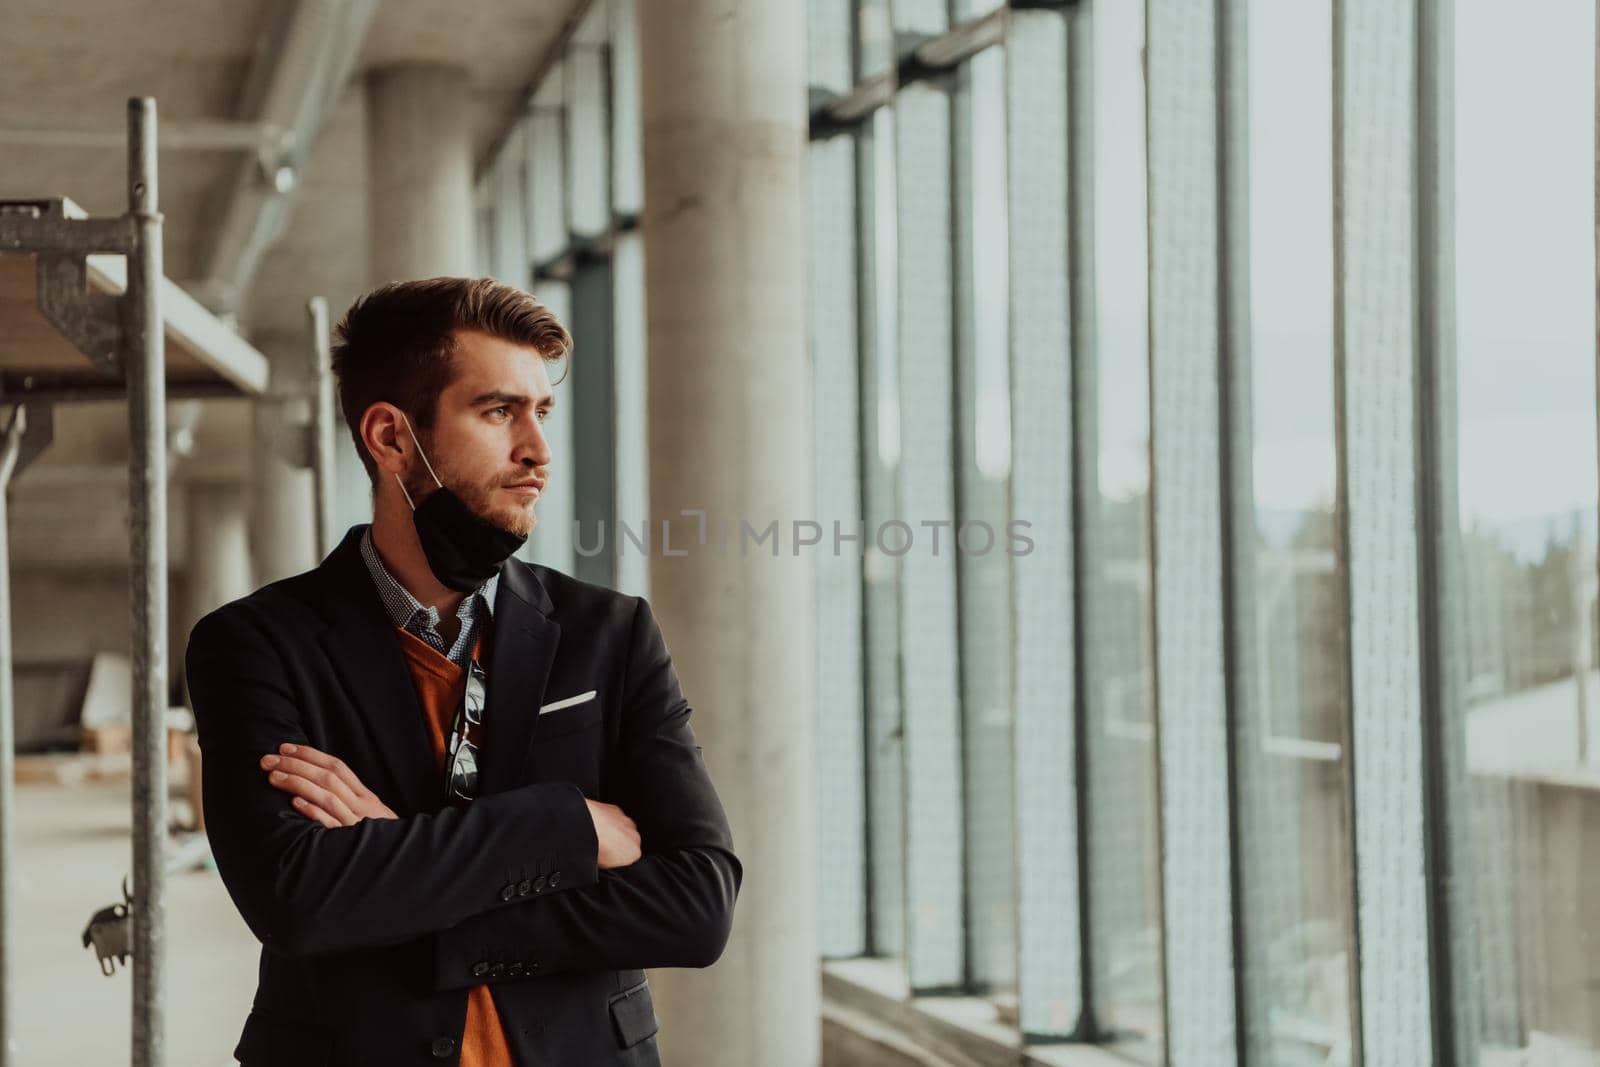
1290	703
1213	387
1524	325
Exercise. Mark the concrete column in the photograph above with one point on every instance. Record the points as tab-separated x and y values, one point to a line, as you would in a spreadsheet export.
419	167
217	565
282	535
218	544
723	105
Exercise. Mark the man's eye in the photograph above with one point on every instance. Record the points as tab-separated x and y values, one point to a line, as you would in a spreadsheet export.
502	409
543	414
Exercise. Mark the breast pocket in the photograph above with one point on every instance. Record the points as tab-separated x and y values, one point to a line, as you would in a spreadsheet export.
567	746
567	720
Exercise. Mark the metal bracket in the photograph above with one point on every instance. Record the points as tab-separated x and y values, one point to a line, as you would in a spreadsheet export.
59	225
920	58
61	237
90	320
30	431
559	269
910	67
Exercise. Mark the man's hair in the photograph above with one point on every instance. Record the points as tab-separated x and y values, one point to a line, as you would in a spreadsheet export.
397	343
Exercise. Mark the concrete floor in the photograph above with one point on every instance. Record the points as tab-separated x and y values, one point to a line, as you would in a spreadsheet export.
73	849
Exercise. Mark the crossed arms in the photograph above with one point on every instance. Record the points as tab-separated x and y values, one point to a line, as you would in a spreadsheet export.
343	872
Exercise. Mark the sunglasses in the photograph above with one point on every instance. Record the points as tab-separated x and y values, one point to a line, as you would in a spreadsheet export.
461	782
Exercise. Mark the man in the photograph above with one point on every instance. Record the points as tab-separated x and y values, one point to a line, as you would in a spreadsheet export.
456	797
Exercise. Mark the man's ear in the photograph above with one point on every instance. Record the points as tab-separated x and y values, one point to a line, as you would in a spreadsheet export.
385	435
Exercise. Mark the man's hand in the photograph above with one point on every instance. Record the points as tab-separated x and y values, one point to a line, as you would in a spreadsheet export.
322	787
618	837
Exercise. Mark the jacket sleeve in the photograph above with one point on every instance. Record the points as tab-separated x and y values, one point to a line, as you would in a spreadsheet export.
672	908
305	889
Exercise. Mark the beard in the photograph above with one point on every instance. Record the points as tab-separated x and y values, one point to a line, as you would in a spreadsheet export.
480	496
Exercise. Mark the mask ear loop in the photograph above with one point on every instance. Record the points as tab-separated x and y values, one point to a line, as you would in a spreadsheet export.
425	463
403	492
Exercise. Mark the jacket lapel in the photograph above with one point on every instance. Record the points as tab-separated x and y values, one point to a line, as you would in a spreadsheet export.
367	656
524	649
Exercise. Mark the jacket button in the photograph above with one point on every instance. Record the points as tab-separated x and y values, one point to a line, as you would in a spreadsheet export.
443	1047
538	883
532	966
514	970
507	892
480	969
497	970
524	887
555	876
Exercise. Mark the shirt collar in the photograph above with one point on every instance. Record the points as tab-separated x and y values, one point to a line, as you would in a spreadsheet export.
403	607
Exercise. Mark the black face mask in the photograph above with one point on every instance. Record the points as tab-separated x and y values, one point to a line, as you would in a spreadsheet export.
463	549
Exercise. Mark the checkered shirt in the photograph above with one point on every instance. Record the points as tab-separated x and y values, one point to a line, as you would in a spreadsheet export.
408	613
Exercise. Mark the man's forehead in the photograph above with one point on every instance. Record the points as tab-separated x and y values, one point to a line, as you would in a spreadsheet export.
485	364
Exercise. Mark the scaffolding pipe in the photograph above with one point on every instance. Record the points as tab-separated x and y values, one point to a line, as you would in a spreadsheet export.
8	464
321	425
144	358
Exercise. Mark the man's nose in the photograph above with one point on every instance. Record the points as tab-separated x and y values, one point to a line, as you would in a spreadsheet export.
534	448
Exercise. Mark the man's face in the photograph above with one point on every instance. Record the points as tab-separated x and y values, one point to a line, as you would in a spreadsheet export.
487	443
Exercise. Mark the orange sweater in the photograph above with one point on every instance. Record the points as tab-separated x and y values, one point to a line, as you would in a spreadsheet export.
441	686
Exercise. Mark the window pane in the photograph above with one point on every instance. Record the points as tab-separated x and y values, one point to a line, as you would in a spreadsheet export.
547	170
983	467
1044	421
627	160
631	408
1123	844
880	460
829	60
921	16
1189	254
599	532
836	405
1525	298
510	259
930	668
588	140
1295	901
483	217
964	10
551	541
874	38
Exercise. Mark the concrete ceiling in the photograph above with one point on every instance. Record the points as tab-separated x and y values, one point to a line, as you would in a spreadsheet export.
499	43
72	64
75	64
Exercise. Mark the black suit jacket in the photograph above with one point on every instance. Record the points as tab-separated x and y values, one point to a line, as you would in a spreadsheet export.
371	934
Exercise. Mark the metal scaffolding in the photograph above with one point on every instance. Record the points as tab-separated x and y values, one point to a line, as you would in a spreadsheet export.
83	303
320	431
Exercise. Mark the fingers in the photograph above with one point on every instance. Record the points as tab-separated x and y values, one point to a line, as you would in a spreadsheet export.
310	810
294	766
332	765
318	795
325	782
617	834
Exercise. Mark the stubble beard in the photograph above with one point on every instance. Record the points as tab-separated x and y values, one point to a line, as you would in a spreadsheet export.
479	497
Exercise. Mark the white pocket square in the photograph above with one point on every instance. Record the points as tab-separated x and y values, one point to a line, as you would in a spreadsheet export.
557	705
